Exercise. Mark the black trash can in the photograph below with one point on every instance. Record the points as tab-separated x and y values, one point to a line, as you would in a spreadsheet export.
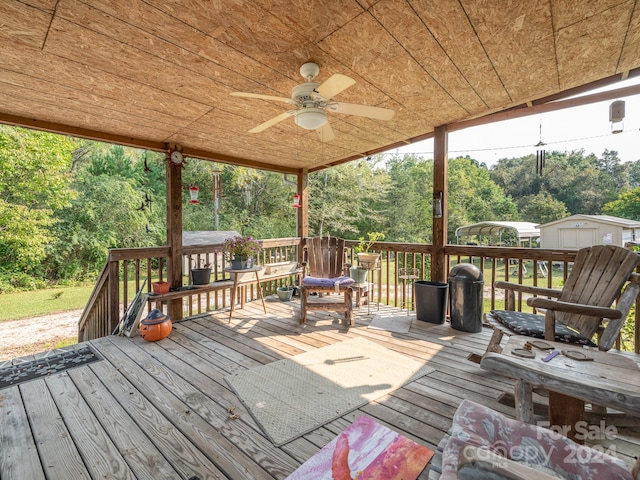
431	301
465	297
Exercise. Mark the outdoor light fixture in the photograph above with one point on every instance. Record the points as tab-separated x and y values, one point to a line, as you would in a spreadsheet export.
616	115
437	205
311	118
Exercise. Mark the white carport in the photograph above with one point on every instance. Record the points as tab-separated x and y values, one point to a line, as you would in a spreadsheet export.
525	231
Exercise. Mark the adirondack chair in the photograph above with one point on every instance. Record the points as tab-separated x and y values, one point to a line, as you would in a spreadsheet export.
325	272
483	443
581	309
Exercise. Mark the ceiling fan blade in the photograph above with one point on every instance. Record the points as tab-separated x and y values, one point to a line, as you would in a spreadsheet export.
261	97
361	110
326	133
272	122
333	85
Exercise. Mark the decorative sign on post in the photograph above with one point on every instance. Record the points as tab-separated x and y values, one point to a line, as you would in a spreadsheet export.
193	191
296	201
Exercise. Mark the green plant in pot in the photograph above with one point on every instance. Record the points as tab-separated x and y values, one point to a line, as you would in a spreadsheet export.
362	249
241	251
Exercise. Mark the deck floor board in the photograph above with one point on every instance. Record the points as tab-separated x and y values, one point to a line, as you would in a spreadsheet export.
161	410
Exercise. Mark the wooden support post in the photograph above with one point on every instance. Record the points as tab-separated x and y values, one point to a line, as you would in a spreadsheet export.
303	211
439	269
113	296
174	233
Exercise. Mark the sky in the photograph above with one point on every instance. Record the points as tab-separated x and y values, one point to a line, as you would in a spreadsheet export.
586	127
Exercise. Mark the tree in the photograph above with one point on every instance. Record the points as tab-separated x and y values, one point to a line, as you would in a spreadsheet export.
542	208
627	205
34	176
342	200
409	214
109	209
582	184
474	197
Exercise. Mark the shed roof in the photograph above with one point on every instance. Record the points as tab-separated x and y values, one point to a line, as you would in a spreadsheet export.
206	237
622	222
524	230
151	73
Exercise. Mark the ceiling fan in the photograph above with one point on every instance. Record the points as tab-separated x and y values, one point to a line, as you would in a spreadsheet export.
313	100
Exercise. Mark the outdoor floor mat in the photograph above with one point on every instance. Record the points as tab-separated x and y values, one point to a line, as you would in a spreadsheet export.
41	367
294	396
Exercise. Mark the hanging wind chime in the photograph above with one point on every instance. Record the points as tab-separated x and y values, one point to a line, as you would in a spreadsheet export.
540	153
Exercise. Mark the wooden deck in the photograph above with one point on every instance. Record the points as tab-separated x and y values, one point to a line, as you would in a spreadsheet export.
160	410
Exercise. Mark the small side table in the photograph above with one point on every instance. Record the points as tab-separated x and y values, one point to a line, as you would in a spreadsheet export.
235	274
408	276
370	267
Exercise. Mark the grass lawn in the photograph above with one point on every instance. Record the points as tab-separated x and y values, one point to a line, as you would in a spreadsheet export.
42	302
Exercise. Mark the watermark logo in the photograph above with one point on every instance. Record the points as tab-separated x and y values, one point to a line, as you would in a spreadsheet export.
583	431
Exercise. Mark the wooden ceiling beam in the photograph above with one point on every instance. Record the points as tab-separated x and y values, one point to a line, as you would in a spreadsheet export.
80	132
135	142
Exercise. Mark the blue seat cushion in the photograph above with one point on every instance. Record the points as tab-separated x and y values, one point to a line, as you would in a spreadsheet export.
343	281
532	325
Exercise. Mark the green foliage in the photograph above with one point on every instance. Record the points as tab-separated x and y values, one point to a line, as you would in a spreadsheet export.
474	197
252	202
365	245
583	184
542	208
34	179
343	198
408	202
108	209
627	205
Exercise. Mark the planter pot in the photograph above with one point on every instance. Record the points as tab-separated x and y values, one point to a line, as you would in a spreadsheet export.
359	274
200	276
160	287
241	263
285	293
368	260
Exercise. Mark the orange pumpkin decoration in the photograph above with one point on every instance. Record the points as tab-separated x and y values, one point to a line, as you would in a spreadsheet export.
156	326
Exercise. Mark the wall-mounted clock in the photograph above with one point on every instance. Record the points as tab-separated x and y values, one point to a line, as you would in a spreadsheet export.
176	157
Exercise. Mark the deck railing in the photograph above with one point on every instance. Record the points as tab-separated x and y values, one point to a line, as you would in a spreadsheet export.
130	269
127	269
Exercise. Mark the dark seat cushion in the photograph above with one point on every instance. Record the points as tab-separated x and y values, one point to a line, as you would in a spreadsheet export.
327	282
532	325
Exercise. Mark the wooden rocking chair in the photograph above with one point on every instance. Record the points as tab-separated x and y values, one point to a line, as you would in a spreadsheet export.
578	311
326	272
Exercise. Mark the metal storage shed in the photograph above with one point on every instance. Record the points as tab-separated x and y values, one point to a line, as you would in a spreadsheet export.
578	231
525	231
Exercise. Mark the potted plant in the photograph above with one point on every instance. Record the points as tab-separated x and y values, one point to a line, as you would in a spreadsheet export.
362	249
241	251
201	275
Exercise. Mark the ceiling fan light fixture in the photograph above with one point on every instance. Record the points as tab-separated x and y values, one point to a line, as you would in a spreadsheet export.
311	118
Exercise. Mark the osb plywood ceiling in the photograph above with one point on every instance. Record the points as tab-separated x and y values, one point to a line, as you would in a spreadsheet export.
152	72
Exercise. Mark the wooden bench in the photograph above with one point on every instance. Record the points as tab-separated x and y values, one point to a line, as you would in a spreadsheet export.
277	271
